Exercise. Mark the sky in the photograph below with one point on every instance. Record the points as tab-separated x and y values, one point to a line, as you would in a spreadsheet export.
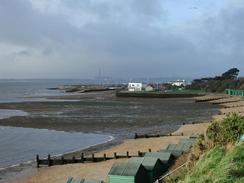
121	38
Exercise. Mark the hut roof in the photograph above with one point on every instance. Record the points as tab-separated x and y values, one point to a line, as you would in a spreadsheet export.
162	156
183	145
92	181
72	180
194	136
125	169
187	141
171	147
175	153
147	162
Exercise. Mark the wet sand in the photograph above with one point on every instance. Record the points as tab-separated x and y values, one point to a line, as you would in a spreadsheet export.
102	112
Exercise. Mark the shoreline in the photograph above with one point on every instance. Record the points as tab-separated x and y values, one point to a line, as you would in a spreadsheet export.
88	151
43	174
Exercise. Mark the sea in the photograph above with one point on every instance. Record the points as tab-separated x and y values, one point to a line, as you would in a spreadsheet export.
20	145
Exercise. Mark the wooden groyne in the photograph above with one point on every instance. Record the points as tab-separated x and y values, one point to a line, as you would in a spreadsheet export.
233	104
141	136
226	100
209	98
137	136
51	161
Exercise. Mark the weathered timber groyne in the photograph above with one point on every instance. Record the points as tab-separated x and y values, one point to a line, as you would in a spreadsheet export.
51	161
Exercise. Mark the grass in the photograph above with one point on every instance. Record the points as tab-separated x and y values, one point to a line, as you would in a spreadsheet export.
219	166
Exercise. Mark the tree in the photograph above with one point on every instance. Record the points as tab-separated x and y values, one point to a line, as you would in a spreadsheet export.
230	74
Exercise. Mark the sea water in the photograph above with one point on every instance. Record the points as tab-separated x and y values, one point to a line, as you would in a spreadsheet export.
19	145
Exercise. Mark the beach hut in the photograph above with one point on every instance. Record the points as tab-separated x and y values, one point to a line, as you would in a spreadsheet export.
153	166
72	180
234	92
185	144
127	173
176	154
194	136
165	157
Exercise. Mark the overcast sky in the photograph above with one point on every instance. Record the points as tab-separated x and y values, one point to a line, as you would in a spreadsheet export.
122	38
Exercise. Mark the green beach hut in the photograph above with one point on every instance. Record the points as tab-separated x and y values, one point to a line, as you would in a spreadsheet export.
234	92
153	166
127	173
185	144
171	148
194	136
165	157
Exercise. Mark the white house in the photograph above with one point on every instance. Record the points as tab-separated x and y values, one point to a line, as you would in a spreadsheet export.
149	88
134	87
179	83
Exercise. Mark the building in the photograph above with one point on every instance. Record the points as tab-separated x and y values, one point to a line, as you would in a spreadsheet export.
149	88
127	173
134	87
179	83
153	166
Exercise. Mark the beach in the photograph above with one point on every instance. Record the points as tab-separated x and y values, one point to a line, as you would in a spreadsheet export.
61	173
99	113
100	170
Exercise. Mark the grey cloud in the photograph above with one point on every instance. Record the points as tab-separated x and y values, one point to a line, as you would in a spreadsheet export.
124	38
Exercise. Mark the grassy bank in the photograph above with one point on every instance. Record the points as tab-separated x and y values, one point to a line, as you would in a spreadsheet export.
219	165
218	157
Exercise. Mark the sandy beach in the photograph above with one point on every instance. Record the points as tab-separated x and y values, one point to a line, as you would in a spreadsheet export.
61	173
58	174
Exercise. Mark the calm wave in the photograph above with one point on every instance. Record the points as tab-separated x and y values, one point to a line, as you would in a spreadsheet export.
18	145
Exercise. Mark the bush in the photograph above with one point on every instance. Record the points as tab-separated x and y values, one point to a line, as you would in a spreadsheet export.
226	131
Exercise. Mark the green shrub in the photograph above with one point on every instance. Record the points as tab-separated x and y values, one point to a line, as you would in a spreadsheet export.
227	130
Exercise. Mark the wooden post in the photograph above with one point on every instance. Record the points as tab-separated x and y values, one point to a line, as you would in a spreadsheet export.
139	153
62	160
49	160
93	157
82	157
115	155
127	154
73	159
136	135
37	161
150	150
104	157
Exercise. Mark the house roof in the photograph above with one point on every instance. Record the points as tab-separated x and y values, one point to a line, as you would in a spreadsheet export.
125	169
